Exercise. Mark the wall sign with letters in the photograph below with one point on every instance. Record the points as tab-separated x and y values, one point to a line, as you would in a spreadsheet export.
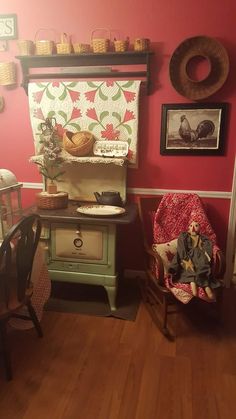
8	26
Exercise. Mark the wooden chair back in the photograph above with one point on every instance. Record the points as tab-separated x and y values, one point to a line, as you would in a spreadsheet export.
17	253
147	207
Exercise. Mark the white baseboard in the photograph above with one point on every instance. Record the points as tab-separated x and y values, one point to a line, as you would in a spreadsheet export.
31	185
160	192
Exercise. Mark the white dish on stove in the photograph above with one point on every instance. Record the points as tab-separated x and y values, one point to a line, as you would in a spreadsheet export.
100	210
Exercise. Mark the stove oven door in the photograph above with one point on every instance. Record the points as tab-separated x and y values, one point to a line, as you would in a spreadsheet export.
82	248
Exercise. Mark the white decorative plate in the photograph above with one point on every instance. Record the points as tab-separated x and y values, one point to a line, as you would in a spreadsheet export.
100	210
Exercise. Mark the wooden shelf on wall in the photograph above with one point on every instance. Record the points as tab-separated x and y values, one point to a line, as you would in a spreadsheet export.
89	66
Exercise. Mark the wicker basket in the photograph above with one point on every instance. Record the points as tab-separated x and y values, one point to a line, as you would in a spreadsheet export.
1	103
7	73
64	47
100	45
44	46
48	201
25	46
81	48
120	45
141	44
78	144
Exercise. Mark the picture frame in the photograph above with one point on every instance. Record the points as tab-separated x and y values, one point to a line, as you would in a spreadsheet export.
8	26
193	129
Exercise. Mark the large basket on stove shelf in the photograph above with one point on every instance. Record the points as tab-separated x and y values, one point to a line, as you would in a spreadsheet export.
59	200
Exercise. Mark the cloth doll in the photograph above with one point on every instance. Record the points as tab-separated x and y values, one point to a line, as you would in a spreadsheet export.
192	262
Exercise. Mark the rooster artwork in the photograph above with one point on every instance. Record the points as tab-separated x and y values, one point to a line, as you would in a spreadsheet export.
204	129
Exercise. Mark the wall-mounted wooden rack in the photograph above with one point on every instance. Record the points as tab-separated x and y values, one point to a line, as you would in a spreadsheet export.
129	60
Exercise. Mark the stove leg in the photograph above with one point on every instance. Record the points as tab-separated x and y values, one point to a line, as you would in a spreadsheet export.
111	293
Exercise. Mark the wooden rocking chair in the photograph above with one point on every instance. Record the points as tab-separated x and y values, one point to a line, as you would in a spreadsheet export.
159	299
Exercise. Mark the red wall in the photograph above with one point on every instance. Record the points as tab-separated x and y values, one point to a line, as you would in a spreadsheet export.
166	23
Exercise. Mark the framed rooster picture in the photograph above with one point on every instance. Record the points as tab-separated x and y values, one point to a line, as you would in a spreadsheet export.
193	129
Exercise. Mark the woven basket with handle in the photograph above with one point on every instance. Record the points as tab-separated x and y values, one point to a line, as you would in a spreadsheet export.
64	47
100	45
44	46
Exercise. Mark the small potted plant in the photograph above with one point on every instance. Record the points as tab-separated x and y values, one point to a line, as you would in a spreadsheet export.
50	168
51	163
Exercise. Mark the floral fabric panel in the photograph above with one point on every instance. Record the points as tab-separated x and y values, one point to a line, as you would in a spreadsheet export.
167	251
108	109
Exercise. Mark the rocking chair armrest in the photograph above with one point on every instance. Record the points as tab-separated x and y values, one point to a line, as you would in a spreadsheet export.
154	259
157	282
219	265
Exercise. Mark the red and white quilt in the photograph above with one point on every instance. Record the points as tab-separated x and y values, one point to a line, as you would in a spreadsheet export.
108	109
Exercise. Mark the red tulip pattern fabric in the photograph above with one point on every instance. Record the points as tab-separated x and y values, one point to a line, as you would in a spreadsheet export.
108	109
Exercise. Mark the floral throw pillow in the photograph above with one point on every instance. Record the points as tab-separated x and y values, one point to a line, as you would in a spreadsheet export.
167	251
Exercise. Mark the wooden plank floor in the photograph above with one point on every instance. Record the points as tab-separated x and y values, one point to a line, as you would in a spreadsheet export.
104	368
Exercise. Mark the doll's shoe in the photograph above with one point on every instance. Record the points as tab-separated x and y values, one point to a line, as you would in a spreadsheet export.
210	294
193	288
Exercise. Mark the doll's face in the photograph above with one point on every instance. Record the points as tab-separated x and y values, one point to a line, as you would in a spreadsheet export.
194	228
